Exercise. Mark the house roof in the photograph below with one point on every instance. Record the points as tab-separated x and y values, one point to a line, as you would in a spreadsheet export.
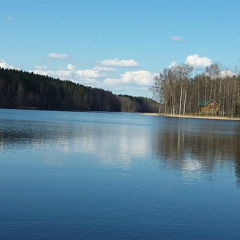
206	102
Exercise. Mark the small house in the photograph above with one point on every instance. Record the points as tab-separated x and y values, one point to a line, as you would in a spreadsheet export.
209	107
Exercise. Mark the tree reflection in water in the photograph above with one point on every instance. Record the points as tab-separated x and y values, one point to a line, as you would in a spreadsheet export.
198	145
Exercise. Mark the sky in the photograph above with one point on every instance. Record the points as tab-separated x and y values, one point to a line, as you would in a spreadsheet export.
116	45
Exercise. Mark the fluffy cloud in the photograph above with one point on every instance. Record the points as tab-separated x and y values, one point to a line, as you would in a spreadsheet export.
198	62
109	78
173	64
88	76
177	39
3	64
99	74
140	78
70	67
119	63
58	56
61	74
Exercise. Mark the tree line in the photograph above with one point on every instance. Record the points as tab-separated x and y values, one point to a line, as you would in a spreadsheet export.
19	89
179	91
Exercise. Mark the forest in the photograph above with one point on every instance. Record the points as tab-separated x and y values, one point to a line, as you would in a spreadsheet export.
24	90
180	91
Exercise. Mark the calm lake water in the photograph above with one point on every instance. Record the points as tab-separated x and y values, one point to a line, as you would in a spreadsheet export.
69	175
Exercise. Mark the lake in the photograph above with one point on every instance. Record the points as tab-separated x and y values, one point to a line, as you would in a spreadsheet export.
71	175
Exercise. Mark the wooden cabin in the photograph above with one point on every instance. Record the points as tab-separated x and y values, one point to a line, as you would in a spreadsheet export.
209	107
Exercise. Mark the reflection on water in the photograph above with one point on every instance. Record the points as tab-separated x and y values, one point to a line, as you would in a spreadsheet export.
182	144
117	176
198	145
111	144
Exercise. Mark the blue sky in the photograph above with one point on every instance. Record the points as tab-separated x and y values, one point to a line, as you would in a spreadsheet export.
118	45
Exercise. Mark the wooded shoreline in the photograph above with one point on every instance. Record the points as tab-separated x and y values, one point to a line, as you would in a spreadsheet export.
180	91
24	90
191	116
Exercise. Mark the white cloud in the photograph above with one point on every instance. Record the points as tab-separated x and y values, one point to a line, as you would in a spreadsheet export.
112	81
173	64
58	56
41	67
89	73
119	63
130	83
104	69
92	76
62	74
198	62
226	73
138	77
88	76
70	67
142	78
177	39
3	64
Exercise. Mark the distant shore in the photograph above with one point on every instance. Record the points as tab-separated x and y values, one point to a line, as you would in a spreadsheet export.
192	116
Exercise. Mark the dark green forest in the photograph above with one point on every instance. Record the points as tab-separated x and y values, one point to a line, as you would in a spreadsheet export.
24	90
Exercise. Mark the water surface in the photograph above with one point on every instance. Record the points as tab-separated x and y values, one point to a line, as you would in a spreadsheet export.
69	175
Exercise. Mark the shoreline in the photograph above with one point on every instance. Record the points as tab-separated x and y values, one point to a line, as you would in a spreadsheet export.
191	116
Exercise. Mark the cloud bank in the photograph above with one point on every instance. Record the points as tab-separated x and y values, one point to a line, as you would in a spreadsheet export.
113	74
109	74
